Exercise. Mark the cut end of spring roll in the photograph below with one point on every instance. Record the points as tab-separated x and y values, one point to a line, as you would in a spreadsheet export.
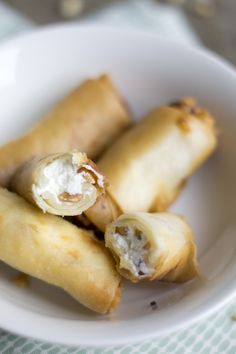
153	247
61	184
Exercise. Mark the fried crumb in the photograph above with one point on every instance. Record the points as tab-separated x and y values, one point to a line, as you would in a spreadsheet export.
153	305
22	280
234	317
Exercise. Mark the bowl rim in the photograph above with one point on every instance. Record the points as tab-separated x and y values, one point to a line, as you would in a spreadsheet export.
32	330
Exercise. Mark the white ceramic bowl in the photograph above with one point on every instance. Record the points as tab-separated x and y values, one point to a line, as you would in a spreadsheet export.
37	69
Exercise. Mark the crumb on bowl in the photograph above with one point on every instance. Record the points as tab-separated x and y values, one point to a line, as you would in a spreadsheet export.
21	280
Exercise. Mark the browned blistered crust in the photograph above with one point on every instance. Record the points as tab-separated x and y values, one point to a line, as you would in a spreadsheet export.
189	106
134	158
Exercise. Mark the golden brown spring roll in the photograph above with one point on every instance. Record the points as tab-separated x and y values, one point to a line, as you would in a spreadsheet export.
88	119
148	165
104	211
152	247
61	184
51	249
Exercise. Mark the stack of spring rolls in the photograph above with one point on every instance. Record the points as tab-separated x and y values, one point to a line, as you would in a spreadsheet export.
86	160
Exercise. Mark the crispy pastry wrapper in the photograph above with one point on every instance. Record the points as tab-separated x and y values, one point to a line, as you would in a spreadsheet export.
157	246
104	211
88	119
51	249
62	184
148	165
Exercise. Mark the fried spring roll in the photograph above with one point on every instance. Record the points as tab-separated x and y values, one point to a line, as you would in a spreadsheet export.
149	164
104	211
153	247
61	184
51	249
88	119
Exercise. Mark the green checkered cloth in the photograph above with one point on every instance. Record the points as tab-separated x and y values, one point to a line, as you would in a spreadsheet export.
215	334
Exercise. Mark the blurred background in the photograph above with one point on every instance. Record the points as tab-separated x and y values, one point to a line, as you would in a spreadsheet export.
207	22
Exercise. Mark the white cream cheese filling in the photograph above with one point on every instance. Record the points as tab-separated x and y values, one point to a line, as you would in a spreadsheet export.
133	250
62	177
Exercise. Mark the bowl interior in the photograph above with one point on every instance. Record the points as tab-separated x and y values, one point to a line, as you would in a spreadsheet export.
35	71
